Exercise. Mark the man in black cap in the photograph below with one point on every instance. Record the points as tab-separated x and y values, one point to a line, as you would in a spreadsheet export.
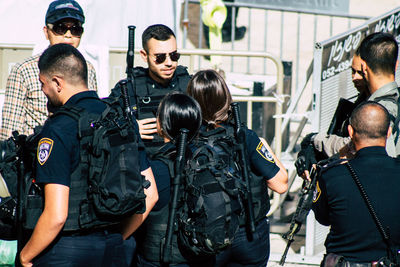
25	105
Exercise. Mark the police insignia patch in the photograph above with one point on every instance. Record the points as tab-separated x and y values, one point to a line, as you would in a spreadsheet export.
317	193
263	151
44	149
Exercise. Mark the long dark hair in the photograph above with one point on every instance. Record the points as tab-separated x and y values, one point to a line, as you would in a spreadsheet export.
177	111
212	93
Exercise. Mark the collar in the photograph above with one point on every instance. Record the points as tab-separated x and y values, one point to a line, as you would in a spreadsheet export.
368	151
387	89
79	96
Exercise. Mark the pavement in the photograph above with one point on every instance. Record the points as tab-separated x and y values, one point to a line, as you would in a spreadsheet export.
295	256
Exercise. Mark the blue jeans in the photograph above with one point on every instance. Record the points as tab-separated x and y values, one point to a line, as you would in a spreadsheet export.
97	249
247	253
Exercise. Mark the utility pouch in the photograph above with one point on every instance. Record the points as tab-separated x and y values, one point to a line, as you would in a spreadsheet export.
333	260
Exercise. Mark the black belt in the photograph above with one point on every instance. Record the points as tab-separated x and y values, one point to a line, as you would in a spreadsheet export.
361	264
114	229
331	260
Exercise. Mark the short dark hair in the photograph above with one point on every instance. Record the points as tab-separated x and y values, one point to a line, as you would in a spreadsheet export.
177	111
367	125
159	32
212	93
65	60
379	50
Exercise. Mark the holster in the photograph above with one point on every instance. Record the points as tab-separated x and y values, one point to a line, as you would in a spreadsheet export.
333	260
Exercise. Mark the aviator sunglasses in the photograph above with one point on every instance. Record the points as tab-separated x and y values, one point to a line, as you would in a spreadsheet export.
61	29
160	58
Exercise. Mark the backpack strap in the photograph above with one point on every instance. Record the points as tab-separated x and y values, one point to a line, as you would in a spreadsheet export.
386	238
81	116
140	87
165	156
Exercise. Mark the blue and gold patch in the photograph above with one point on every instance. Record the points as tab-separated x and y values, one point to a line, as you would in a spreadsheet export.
317	193
44	149
263	151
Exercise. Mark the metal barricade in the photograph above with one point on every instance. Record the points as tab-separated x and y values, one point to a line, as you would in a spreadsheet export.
117	62
303	30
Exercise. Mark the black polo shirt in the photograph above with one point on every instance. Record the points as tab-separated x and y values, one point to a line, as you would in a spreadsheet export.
338	203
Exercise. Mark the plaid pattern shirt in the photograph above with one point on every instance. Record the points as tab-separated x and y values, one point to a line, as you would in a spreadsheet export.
25	105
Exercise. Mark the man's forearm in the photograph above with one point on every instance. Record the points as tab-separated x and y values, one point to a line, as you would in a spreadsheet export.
330	144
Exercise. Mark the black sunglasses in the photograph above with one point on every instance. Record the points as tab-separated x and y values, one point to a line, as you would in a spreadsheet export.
174	56
61	29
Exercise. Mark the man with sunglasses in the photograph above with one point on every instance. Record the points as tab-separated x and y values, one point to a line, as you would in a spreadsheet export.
151	84
25	105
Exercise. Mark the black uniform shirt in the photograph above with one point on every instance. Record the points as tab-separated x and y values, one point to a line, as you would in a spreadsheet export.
261	161
338	203
58	149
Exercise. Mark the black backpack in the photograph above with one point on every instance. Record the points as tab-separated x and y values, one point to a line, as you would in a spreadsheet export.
17	155
212	200
110	158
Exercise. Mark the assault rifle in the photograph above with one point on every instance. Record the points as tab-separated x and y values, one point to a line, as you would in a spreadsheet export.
302	210
240	134
176	181
130	55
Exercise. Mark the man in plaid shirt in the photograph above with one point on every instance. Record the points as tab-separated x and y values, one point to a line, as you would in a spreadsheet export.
25	105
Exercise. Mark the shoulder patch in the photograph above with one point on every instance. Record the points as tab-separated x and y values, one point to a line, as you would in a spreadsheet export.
263	151
44	149
317	193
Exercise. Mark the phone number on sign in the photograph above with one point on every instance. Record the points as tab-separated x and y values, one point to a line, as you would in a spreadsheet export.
342	66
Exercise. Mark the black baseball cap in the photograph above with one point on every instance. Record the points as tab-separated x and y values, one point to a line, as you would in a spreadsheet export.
62	9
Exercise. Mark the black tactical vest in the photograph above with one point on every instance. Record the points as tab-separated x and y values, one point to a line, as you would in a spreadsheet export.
145	95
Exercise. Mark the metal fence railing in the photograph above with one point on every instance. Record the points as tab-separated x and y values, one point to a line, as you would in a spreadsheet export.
285	32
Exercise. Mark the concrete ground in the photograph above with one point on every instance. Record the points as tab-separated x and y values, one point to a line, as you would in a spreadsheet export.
294	258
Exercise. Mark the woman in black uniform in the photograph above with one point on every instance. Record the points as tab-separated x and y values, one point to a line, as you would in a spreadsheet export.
175	111
212	93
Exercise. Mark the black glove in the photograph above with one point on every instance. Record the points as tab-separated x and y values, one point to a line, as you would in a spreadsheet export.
305	159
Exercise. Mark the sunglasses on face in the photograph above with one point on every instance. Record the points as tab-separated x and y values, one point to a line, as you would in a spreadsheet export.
61	29
160	58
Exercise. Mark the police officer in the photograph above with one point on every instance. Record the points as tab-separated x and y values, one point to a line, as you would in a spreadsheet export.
151	84
338	202
213	95
63	75
176	111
